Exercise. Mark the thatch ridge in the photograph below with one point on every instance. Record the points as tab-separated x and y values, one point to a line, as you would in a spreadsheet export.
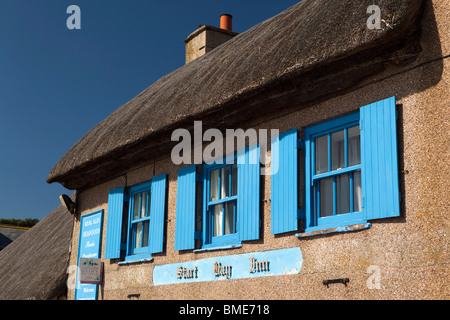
311	50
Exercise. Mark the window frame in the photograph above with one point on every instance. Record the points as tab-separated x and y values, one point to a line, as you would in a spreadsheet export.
313	220
133	253
209	240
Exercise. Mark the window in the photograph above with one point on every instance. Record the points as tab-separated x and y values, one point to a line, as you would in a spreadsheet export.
221	204
350	172
335	175
139	219
135	221
229	210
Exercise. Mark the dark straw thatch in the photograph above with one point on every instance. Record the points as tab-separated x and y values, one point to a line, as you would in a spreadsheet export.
34	267
312	51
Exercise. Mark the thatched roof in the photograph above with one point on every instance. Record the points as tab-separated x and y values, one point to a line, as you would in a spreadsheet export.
311	51
8	235
34	266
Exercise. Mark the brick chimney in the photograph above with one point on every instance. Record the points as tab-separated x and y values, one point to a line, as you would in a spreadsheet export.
206	38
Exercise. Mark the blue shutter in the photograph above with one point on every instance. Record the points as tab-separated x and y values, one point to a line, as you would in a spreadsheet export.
284	183
157	213
185	219
380	186
114	223
248	193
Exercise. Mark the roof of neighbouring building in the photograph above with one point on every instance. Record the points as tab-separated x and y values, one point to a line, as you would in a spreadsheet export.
34	266
9	234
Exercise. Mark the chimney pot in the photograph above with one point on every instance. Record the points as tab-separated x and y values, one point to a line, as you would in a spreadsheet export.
226	22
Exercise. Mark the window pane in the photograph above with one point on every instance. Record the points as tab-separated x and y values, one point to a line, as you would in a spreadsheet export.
225	182
321	150
354	146
149	197
144	196
326	197
218	220
145	235
138	239
337	150
357	191
342	194
136	206
234	179
214	185
229	217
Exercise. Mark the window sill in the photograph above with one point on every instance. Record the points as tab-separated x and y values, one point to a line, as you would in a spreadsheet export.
338	229
136	259
223	247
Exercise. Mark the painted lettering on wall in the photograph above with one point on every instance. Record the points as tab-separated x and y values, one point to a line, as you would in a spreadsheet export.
90	233
258	266
185	273
90	224
221	270
248	265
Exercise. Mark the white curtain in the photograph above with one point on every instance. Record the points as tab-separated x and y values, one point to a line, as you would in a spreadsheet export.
144	197
138	242
354	146
357	191
342	194
218	220
145	235
136	207
338	150
321	150
229	208
326	197
224	182
214	185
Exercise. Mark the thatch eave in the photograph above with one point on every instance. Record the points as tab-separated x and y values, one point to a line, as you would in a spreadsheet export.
312	51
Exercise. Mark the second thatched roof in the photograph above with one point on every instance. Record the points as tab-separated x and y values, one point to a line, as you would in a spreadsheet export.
34	267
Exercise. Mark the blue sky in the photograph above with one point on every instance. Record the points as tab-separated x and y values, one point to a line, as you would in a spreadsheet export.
56	84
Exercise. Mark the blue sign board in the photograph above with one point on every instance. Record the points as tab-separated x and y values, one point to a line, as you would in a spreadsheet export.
89	247
248	265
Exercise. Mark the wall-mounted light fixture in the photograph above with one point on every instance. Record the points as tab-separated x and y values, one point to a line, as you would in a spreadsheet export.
68	203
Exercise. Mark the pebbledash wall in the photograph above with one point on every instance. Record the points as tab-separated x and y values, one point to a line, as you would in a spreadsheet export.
404	256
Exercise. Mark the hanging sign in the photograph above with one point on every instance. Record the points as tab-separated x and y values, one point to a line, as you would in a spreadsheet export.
91	271
248	265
